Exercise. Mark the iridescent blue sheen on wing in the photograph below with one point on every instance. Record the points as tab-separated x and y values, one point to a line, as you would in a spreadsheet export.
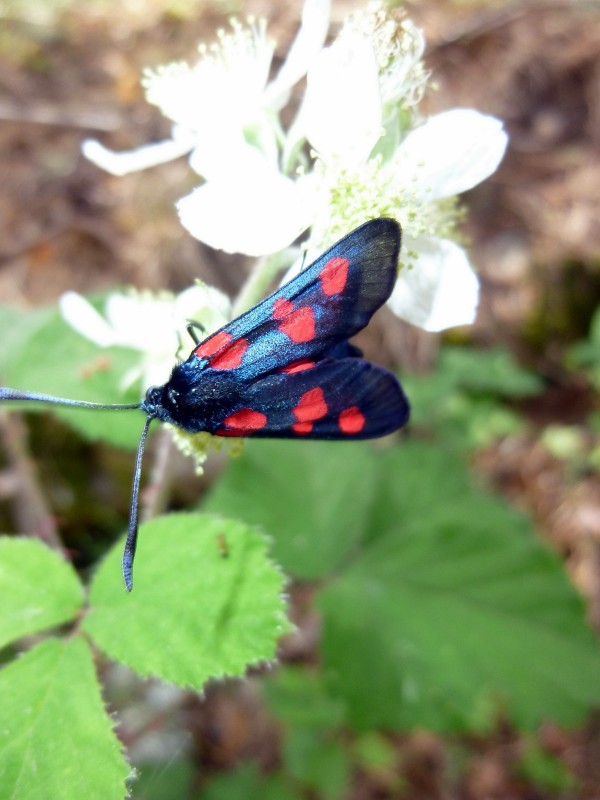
300	320
285	367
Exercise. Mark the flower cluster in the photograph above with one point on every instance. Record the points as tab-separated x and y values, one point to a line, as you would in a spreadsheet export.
358	148
370	152
152	324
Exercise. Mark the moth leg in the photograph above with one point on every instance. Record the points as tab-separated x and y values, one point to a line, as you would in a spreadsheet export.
192	327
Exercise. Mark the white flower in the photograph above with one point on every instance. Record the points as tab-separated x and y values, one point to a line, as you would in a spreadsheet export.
341	113
155	325
225	98
449	154
372	154
412	175
440	291
254	210
225	113
141	158
399	47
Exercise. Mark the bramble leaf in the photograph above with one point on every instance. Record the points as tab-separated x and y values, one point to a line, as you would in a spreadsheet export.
455	612
207	601
313	500
56	739
38	589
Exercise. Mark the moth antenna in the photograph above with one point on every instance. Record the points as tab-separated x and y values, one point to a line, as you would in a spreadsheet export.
7	393
131	541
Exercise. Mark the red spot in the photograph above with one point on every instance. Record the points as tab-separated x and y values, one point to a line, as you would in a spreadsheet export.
231	357
299	325
210	346
243	422
302	427
334	275
282	308
298	366
351	420
311	406
230	352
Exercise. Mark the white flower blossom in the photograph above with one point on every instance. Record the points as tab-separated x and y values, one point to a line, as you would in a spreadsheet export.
440	291
153	324
371	152
399	47
225	114
342	113
226	93
409	174
150	155
256	211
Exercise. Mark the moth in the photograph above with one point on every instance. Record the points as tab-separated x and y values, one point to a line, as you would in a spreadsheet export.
285	368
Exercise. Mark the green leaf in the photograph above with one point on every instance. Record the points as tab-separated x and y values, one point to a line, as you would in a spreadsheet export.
320	763
493	371
56	739
454	613
462	400
312	498
311	718
586	354
417	481
38	589
56	360
246	782
544	770
376	755
15	328
298	697
197	610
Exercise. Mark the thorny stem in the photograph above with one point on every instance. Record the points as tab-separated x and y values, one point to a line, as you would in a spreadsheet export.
31	511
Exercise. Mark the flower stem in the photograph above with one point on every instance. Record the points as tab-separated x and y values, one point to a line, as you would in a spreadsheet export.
259	280
32	512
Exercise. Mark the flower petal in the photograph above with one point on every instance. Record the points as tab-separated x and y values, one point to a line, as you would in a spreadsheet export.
305	47
440	290
341	113
224	88
203	304
148	155
451	152
84	319
257	212
222	153
137	319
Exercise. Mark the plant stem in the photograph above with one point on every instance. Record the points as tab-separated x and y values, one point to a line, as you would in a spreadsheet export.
31	511
259	280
